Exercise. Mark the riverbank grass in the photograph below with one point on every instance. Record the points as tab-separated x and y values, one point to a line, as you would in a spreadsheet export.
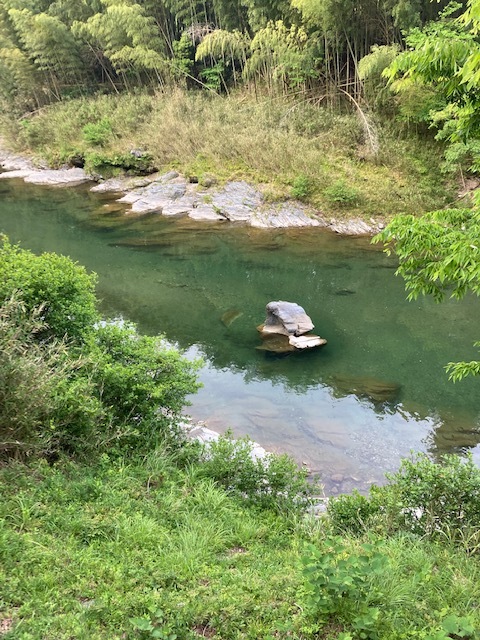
294	148
133	549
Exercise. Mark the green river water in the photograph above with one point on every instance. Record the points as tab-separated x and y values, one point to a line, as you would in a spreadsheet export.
182	278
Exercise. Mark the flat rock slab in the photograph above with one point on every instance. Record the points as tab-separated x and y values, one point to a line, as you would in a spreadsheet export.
355	227
49	177
12	162
205	213
237	201
286	215
16	166
306	342
278	343
122	184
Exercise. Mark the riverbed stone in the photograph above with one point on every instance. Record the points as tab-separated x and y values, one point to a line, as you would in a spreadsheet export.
285	327
287	318
355	227
121	183
379	391
285	215
49	177
205	213
13	162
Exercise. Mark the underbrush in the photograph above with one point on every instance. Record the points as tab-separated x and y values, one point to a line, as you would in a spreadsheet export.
298	148
141	548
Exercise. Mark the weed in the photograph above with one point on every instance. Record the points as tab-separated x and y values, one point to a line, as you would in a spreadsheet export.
341	194
340	585
301	187
98	133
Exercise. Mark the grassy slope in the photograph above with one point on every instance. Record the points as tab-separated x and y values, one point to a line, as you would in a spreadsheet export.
293	148
84	549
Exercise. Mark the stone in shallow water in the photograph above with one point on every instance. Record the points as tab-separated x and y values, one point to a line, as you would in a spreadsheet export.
285	328
276	343
366	387
230	316
288	318
306	342
279	343
50	177
207	213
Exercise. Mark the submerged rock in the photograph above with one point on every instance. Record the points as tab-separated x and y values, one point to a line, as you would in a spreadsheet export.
344	292
276	343
378	391
230	316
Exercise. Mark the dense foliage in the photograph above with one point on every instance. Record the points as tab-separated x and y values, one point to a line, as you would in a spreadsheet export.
439	252
69	382
63	290
53	49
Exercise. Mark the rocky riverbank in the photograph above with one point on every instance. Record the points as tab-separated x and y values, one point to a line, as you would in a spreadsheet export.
171	194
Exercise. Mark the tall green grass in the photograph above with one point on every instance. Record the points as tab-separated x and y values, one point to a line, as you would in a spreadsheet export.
119	549
277	142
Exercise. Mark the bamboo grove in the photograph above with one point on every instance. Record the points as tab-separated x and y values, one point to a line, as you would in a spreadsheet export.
52	50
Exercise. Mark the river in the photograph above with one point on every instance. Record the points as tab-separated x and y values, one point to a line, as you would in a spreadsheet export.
350	411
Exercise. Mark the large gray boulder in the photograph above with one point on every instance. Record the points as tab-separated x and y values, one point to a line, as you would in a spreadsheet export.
285	327
287	318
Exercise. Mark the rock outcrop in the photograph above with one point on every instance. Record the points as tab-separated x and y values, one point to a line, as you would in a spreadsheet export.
16	166
171	194
285	327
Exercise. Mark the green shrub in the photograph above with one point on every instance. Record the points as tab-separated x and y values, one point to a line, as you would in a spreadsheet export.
430	497
98	133
274	482
212	77
108	164
142	383
439	500
301	187
70	382
353	512
341	194
60	287
44	404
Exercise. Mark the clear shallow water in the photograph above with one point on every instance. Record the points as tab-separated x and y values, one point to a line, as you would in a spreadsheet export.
180	278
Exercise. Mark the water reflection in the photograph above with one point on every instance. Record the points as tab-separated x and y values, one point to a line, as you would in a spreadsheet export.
377	390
